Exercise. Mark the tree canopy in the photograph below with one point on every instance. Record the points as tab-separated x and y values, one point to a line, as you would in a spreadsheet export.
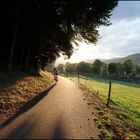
97	66
128	66
125	71
37	31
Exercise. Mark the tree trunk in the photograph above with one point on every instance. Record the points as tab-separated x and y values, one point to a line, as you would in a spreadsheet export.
11	51
38	63
22	52
28	55
38	58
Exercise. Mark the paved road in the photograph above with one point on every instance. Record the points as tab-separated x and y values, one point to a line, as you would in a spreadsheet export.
61	114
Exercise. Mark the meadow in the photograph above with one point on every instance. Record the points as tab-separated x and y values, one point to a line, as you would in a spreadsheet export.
124	95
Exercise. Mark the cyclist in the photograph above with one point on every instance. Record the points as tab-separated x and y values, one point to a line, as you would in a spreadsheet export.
55	73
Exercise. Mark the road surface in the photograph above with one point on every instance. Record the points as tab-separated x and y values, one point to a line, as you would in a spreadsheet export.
61	114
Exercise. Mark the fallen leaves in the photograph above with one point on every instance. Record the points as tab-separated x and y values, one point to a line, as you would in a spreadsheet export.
18	88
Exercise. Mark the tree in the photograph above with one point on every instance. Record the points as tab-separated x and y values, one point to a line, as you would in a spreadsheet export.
128	66
69	68
112	68
97	67
137	68
104	69
84	67
37	31
61	68
119	69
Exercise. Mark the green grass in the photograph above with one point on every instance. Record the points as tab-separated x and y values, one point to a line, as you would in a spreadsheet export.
124	95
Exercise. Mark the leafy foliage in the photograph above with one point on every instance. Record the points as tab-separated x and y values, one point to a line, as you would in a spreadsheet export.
84	67
97	66
120	71
112	68
39	30
128	66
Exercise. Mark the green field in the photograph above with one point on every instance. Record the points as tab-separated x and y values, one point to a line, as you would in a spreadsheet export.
124	95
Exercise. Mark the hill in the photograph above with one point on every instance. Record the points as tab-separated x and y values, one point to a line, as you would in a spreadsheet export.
134	57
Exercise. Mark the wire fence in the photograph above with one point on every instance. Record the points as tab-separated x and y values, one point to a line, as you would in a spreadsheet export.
125	95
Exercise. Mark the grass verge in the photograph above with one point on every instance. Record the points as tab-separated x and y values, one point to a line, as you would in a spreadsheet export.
18	88
111	122
121	119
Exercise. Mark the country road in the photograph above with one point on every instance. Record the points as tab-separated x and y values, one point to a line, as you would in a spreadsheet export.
61	114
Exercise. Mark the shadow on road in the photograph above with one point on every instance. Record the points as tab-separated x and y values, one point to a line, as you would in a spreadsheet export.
59	132
26	131
21	132
27	106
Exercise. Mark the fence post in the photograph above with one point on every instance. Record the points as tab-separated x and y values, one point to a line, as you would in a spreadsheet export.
109	93
86	81
78	76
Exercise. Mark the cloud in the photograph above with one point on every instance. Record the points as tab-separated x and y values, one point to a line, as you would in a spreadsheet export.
126	10
120	39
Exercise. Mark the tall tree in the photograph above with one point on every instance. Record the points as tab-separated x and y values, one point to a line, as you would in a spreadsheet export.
84	67
137	69
112	68
128	66
119	69
97	67
69	68
104	69
61	68
39	30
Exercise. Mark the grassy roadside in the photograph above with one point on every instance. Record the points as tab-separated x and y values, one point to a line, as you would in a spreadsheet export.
111	122
125	96
18	88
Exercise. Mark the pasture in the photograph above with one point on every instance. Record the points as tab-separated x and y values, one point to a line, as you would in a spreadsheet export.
124	95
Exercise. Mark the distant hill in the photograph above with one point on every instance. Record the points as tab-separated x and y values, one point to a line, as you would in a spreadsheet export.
134	57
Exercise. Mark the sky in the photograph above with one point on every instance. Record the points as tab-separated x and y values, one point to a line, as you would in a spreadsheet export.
120	39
